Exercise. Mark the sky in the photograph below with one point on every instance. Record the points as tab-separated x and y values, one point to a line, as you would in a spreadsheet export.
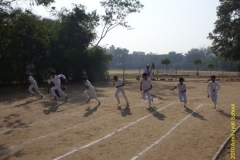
162	26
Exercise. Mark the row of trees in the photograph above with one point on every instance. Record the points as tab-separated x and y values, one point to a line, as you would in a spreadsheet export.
67	44
196	62
121	57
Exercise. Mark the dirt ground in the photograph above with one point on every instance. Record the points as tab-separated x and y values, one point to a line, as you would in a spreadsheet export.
226	153
43	129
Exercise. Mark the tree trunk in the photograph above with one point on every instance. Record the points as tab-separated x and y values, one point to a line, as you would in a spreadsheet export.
166	69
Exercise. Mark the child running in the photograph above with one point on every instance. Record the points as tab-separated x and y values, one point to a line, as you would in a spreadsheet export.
145	87
181	91
212	88
89	89
33	84
56	80
120	88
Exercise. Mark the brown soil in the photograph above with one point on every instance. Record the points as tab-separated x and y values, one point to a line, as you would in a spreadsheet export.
37	129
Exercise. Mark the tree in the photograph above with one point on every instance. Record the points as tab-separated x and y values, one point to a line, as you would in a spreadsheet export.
75	34
116	12
153	67
210	66
196	62
226	36
6	5
237	64
166	61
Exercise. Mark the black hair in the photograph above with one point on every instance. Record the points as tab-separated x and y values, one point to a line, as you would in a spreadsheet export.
52	73
213	76
85	78
181	79
115	77
26	75
144	74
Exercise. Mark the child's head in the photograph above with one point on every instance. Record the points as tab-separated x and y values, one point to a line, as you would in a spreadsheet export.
144	76
52	74
180	79
84	79
115	78
213	78
27	75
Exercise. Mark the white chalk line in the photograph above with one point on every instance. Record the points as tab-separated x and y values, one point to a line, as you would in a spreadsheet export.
56	133
159	140
109	135
63	130
48	120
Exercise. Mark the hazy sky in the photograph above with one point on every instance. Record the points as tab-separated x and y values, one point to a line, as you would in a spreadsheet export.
162	26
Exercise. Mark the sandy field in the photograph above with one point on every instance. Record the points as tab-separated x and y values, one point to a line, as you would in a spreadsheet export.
44	129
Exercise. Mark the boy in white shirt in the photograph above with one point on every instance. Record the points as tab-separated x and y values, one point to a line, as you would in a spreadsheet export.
56	80
145	87
181	91
120	88
212	88
148	71
89	89
33	85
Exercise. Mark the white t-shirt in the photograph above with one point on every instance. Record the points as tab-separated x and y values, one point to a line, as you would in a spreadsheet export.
32	80
181	87
148	71
146	83
56	79
88	83
119	82
213	87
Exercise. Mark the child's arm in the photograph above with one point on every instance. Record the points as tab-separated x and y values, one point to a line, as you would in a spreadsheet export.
85	85
184	91
148	88
174	88
208	90
120	85
141	86
113	83
218	86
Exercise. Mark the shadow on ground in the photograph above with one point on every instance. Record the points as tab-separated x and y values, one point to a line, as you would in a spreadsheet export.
90	111
125	111
6	155
195	114
13	122
156	114
53	108
223	113
27	102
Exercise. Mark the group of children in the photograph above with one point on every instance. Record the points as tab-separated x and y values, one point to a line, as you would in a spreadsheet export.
145	86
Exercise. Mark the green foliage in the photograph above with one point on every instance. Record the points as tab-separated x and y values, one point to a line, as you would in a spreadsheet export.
166	61
97	63
59	45
210	66
197	62
7	5
116	12
23	38
226	36
153	67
